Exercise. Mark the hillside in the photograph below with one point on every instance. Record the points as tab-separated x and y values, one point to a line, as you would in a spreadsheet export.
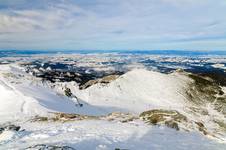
143	98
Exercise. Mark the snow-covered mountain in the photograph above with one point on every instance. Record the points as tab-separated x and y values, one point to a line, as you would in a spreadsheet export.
164	99
141	90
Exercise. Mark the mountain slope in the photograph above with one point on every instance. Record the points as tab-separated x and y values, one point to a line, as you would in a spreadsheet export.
137	91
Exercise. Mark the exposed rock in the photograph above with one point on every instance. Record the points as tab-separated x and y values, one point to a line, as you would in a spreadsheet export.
68	117
115	116
12	127
104	80
221	92
172	124
201	128
199	110
204	90
120	149
170	118
9	128
173	119
68	92
118	116
221	124
49	147
1	130
62	117
40	118
162	114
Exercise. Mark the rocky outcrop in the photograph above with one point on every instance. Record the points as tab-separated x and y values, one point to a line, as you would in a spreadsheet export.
205	90
170	118
104	80
64	117
9	128
49	147
120	117
174	119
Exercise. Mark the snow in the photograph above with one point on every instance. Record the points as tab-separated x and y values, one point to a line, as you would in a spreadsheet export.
7	136
26	100
138	90
105	135
17	103
221	66
26	97
23	97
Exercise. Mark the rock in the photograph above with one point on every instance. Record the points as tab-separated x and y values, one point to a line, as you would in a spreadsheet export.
221	92
13	128
62	117
1	130
200	124
66	116
88	84
202	128
67	92
170	118
160	115
39	118
172	124
155	118
104	80
9	128
49	147
206	89
119	116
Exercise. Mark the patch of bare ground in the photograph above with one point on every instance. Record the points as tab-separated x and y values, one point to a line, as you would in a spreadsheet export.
170	118
65	117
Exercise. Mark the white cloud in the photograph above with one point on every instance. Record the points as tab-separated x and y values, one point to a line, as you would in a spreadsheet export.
88	25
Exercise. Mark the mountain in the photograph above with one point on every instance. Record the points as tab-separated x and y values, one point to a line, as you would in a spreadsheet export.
136	103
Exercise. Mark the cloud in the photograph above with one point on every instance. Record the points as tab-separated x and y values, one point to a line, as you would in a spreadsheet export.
112	24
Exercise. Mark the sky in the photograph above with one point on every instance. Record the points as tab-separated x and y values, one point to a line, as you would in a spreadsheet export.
113	24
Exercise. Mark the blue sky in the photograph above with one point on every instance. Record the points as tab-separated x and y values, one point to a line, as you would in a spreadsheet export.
113	24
